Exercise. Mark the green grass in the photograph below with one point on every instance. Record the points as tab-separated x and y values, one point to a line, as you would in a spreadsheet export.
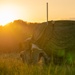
12	66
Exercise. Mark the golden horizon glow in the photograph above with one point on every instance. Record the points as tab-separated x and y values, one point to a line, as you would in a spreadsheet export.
35	10
7	14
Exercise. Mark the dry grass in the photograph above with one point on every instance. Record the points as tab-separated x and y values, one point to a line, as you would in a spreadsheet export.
10	65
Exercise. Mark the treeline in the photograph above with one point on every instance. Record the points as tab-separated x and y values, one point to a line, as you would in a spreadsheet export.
13	34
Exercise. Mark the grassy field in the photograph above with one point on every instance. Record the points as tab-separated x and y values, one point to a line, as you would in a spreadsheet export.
11	65
57	40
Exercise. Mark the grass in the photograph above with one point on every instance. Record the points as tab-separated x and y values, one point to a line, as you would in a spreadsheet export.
13	66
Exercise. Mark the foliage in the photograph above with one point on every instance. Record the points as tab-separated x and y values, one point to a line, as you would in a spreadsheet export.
12	66
61	53
57	39
70	58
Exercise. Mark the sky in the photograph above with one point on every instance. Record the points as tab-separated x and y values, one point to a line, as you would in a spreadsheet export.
35	10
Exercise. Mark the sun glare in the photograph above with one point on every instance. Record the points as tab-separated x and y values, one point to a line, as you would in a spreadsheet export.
7	15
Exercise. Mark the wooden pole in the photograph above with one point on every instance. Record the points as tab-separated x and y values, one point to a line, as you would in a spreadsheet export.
47	13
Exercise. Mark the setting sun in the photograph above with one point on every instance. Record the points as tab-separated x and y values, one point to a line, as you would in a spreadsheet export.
7	14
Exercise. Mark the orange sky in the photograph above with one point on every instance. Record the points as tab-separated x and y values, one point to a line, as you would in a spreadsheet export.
35	10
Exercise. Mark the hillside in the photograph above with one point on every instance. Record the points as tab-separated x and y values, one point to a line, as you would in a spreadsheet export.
57	38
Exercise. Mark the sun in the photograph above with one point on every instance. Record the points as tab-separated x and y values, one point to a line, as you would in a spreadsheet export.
7	14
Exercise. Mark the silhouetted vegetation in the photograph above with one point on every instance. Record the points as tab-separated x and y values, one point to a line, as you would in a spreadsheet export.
56	39
13	34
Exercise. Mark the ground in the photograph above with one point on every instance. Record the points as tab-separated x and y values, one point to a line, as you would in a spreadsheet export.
11	64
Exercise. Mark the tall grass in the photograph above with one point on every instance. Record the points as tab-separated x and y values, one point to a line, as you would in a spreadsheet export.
11	66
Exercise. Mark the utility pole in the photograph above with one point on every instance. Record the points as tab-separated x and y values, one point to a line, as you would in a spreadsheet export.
47	13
